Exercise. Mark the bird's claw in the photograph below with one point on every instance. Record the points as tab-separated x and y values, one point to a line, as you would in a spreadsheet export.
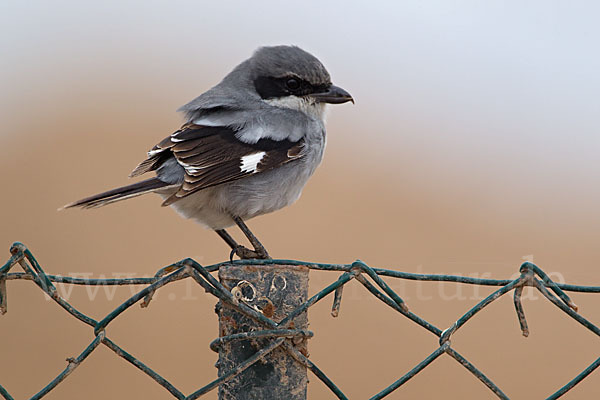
246	254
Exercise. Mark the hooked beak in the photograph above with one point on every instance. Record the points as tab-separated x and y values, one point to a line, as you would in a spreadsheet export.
333	95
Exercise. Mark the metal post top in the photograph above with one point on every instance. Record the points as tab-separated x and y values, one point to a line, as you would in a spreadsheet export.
233	271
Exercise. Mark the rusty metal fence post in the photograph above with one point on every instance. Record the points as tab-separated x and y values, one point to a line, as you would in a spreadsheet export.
274	291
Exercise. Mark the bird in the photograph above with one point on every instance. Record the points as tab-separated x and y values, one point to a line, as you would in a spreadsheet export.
247	148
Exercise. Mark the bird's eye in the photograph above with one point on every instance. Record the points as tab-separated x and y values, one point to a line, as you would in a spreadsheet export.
293	84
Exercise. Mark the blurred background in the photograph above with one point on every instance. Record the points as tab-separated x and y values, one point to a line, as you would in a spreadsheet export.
473	146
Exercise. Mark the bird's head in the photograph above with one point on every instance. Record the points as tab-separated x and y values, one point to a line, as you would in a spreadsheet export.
280	76
287	76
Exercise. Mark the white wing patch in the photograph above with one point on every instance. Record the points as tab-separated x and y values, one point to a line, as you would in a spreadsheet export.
208	121
250	162
154	152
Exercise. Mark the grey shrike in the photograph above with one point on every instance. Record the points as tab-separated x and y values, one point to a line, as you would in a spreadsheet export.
248	148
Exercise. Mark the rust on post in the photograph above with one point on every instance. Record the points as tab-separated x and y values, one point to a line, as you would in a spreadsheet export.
273	290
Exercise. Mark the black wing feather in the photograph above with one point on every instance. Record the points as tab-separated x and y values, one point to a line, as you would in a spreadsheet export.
213	155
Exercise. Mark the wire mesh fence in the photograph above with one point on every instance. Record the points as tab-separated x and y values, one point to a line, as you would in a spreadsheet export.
281	334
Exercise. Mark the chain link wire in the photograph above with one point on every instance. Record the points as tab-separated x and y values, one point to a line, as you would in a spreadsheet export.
279	332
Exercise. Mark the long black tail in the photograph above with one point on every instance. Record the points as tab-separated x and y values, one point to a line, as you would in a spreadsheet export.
118	194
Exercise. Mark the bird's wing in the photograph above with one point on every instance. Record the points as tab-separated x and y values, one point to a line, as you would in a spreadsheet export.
213	155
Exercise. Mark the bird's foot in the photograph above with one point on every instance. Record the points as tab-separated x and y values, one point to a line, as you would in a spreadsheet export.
246	254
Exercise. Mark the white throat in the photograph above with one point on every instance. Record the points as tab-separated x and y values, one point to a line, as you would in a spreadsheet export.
303	104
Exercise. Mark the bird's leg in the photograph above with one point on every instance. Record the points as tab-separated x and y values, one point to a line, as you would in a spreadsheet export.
227	238
241	251
259	249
